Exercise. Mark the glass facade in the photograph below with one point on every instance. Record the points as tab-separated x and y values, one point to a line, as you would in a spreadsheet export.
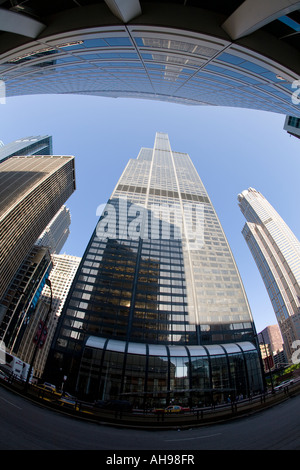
33	145
155	62
32	189
18	306
57	231
158	271
276	251
292	126
155	375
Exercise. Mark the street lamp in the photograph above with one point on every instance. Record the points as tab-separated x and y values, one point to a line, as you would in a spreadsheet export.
37	345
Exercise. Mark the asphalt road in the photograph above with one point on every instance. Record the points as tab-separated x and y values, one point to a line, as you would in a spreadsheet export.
27	426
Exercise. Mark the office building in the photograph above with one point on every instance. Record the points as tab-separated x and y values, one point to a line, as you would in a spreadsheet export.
271	344
157	310
271	335
33	145
292	126
61	277
63	270
32	189
233	53
276	251
18	305
57	231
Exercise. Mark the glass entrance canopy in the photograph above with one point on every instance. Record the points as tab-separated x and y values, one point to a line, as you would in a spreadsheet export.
155	375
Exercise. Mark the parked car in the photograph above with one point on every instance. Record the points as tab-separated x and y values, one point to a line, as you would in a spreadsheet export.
3	376
68	395
176	409
284	384
66	402
158	410
48	387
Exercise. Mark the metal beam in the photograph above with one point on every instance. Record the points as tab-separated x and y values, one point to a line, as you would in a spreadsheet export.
253	14
20	24
125	10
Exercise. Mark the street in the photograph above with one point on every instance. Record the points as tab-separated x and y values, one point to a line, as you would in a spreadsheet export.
27	426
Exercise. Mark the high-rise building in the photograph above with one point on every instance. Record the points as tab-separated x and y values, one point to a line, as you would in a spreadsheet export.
17	306
271	335
271	346
157	310
57	231
220	53
292	126
276	251
34	145
32	189
61	277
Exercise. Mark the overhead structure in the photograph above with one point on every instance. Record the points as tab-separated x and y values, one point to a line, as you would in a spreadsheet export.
125	10
20	24
252	15
234	53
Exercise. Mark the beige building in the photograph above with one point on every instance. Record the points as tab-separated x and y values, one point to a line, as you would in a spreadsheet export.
276	251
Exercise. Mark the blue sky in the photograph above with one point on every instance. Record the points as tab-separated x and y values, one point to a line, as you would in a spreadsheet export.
231	148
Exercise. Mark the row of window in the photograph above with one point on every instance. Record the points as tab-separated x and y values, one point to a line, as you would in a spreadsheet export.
108	374
167	69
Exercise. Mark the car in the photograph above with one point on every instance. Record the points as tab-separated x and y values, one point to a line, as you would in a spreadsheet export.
66	395
66	402
47	384
284	384
3	376
158	410
176	409
47	387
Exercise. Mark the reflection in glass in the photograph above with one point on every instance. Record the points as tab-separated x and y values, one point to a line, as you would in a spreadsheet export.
158	272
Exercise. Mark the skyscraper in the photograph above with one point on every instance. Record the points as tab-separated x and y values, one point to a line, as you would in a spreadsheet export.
157	307
276	251
57	231
61	276
33	145
32	189
292	126
17	306
271	346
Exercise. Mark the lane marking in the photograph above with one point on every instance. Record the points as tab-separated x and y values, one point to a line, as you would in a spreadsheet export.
10	403
192	438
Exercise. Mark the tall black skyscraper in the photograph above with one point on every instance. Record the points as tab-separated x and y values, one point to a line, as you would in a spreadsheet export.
157	310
